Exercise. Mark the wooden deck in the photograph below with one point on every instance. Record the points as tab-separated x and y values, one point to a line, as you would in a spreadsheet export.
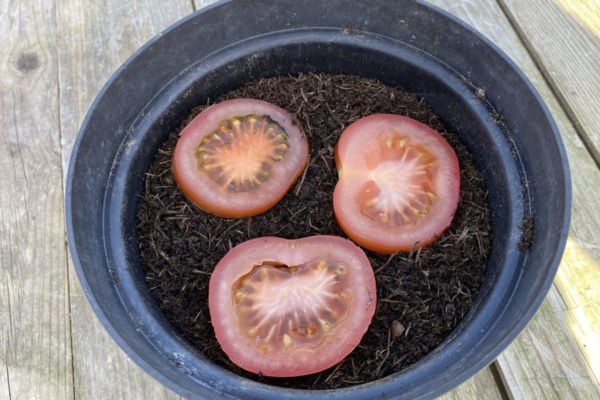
56	55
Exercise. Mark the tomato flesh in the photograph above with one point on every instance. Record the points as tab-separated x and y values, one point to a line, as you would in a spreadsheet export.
239	157
266	303
399	183
291	307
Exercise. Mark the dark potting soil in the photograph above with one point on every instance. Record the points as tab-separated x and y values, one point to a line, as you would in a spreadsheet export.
526	228
421	295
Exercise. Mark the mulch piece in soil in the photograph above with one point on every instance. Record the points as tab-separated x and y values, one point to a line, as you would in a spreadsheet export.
422	295
526	228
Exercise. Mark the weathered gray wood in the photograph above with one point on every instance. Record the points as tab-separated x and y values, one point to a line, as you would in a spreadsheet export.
101	369
579	285
198	4
543	362
35	341
547	346
563	36
480	386
94	39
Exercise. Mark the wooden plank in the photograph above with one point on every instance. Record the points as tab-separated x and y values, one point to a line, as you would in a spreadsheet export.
569	58
94	39
35	360
4	333
480	386
579	285
547	346
563	36
198	4
566	374
100	366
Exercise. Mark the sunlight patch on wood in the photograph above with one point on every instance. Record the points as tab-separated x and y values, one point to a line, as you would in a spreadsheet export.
578	278
586	12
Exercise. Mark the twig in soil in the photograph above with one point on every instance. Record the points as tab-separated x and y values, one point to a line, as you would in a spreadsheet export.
297	212
389	260
385	357
226	231
303	177
325	161
335	370
197	271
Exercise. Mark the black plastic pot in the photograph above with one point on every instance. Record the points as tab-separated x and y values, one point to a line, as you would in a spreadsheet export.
403	43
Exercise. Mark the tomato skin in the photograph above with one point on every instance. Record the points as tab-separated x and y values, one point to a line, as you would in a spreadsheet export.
355	168
207	194
305	359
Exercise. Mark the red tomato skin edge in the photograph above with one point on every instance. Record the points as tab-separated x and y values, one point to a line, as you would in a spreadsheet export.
224	211
301	370
383	248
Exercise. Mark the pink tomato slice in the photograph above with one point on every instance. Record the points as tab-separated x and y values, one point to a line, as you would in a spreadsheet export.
291	307
399	183
238	158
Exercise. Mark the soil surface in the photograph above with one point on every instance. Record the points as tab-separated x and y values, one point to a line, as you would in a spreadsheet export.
422	295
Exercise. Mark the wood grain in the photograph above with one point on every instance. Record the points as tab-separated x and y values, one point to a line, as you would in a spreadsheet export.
35	340
547	347
563	36
198	4
543	362
579	284
94	39
480	386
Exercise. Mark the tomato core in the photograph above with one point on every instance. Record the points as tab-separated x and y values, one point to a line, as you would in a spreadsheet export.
398	188
240	154
266	302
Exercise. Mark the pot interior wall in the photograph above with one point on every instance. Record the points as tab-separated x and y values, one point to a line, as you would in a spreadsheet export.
450	95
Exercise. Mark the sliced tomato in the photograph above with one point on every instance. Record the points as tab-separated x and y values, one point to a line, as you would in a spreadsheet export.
291	307
238	158
398	185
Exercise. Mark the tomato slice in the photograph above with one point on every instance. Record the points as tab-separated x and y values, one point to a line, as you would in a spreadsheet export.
398	185
291	307
238	158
